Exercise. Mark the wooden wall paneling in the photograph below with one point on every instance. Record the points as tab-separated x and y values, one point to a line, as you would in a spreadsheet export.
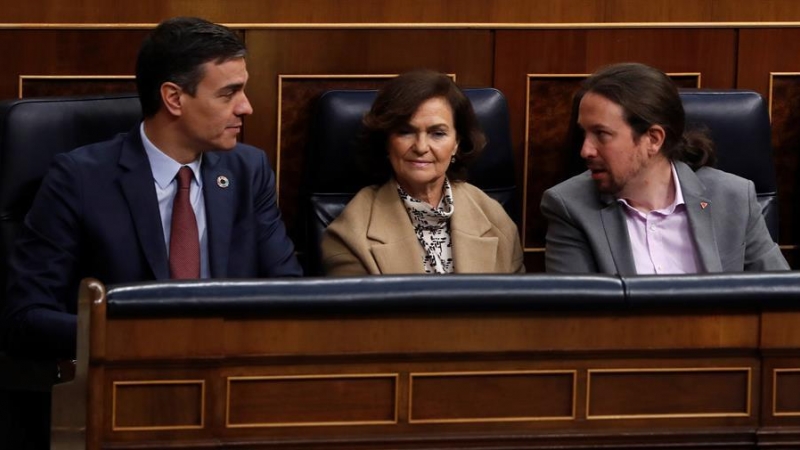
775	74
65	52
407	11
750	11
273	53
675	11
58	85
566	54
573	379
312	11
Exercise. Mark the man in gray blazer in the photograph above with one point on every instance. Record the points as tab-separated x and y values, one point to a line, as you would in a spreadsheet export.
649	203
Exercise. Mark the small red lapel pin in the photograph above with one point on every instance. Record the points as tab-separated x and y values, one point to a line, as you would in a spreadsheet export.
703	205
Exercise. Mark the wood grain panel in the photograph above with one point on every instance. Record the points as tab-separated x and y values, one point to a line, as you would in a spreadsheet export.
762	53
780	330
409	11
311	400
184	338
158	405
566	53
668	393
65	52
313	11
784	100
541	332
675	11
787	392
48	86
487	396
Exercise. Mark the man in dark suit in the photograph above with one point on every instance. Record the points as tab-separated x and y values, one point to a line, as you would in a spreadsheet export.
176	197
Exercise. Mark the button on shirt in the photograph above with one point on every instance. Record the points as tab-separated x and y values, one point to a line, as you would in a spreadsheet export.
661	240
164	170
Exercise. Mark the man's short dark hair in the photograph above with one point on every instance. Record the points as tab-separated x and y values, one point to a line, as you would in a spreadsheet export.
175	51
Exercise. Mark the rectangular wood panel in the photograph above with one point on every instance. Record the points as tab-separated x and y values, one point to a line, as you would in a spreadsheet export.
488	396
317	400
668	393
158	405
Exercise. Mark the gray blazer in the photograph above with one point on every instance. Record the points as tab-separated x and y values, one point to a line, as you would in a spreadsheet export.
587	232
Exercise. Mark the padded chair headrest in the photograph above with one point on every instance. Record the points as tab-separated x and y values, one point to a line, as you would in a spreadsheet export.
337	122
738	121
33	131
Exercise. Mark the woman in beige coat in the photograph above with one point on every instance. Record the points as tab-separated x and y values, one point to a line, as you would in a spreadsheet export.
421	217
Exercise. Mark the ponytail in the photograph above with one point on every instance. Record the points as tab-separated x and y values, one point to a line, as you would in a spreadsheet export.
696	149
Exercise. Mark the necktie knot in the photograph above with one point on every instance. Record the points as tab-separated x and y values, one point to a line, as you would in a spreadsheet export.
184	177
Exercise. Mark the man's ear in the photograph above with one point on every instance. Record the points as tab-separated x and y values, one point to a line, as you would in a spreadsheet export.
171	95
655	136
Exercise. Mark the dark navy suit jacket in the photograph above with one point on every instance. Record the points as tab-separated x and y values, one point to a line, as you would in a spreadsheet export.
96	215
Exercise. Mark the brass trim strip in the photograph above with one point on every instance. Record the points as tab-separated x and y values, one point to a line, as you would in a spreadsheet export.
412	375
775	412
202	384
22	78
589	373
416	25
228	424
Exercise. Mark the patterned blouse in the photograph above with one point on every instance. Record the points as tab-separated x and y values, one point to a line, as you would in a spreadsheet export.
432	227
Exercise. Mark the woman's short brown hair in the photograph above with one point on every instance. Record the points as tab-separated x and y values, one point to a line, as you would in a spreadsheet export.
393	108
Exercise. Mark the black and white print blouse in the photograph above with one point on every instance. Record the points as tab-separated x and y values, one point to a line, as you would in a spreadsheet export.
432	227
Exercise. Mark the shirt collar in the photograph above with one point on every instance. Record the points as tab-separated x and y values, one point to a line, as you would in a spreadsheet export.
670	208
163	167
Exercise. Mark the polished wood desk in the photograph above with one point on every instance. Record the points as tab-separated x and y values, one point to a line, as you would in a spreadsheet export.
604	373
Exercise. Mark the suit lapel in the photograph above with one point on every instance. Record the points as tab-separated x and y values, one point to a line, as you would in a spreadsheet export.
220	207
139	191
699	209
472	252
397	249
616	231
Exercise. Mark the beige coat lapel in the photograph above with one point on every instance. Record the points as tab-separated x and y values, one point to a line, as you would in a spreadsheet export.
395	248
472	252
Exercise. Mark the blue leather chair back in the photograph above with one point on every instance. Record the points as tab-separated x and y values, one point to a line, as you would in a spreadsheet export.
33	131
334	176
738	122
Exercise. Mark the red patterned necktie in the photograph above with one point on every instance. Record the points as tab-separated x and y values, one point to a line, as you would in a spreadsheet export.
184	244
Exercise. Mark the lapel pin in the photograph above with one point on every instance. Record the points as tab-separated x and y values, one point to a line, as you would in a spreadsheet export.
703	205
222	181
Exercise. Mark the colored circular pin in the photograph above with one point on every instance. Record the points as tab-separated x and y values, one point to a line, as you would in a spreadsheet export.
222	181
